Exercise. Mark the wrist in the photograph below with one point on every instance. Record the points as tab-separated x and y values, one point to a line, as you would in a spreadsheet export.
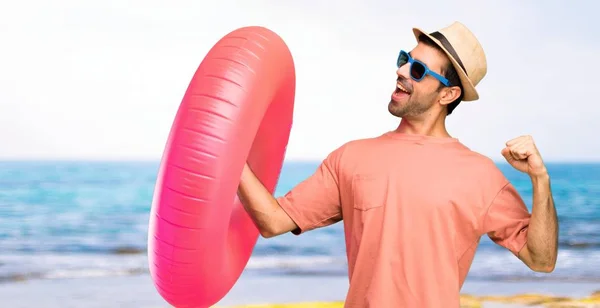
540	178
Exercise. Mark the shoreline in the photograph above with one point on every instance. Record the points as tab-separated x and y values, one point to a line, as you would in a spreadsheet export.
265	290
18	267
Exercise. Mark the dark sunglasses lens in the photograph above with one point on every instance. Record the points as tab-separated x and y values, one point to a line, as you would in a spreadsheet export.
402	59
417	70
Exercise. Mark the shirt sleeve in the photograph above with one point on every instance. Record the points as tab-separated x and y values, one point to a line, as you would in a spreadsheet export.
315	202
507	220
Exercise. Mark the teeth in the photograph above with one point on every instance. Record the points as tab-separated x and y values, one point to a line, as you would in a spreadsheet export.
401	88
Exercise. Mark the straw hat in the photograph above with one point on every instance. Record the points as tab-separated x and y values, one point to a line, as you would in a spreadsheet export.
465	52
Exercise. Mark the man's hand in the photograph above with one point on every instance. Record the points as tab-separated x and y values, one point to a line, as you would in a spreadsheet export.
540	252
523	155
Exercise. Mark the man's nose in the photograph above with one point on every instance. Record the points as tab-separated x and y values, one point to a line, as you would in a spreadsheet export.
403	70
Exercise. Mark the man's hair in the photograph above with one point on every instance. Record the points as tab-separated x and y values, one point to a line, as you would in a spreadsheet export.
449	72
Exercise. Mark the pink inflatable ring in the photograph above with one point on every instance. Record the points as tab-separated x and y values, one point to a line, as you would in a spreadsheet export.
237	108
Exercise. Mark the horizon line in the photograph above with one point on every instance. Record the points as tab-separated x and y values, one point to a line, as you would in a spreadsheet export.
289	160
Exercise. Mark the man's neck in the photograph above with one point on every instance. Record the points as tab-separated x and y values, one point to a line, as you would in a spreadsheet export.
433	127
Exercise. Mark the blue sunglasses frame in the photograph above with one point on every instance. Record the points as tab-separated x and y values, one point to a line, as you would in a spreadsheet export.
427	71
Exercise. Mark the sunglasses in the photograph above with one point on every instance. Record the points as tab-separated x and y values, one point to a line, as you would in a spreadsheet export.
418	69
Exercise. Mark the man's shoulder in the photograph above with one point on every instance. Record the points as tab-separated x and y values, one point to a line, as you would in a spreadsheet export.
480	159
359	144
350	151
482	166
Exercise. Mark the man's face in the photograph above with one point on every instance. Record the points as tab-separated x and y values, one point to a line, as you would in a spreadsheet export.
420	96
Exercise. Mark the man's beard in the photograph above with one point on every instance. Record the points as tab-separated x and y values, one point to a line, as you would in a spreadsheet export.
411	108
405	102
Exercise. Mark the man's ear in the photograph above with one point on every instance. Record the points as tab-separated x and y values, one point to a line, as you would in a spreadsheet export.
449	94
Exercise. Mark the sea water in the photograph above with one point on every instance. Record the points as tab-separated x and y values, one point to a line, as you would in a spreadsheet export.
83	219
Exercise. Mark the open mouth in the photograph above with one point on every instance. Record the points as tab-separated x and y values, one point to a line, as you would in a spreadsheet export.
401	89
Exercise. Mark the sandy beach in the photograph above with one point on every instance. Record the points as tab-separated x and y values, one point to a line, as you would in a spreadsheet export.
138	291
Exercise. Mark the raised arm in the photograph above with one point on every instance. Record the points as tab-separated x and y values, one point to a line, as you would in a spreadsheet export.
541	251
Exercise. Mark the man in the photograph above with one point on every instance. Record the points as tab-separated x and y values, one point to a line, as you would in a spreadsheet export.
415	201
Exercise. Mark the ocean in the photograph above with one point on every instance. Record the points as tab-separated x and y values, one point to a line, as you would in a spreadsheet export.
89	219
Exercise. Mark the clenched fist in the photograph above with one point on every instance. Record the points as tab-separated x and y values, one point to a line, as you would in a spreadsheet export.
523	155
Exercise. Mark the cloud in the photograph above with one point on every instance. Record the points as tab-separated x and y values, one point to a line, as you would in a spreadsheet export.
103	79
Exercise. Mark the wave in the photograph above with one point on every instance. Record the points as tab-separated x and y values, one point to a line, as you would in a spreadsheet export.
573	265
263	248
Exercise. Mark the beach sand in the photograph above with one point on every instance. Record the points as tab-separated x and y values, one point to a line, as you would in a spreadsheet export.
138	291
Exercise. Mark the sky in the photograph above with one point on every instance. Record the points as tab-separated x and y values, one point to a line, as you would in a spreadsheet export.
103	79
